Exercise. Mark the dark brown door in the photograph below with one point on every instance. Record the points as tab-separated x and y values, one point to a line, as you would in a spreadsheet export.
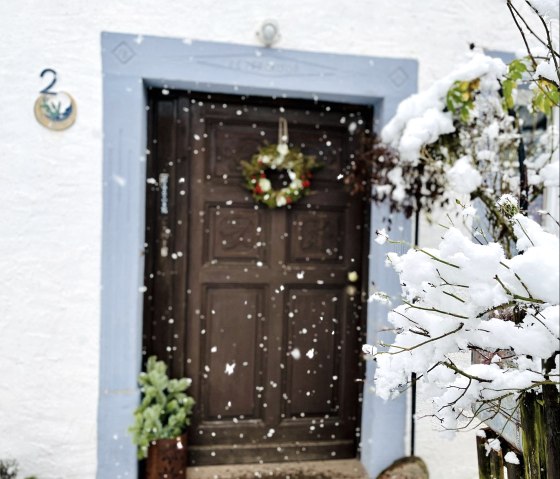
255	304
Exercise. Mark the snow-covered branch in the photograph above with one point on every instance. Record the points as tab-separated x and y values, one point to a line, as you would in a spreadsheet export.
464	296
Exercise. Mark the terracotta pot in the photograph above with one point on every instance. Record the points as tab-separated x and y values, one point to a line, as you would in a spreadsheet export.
167	459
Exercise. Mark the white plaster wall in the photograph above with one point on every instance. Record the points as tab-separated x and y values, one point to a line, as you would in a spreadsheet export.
50	193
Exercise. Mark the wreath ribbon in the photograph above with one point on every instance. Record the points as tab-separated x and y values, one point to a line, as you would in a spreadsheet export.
282	131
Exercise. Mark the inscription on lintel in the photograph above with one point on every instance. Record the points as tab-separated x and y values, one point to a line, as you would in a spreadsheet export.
265	66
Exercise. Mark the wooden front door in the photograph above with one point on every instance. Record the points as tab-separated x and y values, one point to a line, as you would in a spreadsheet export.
255	304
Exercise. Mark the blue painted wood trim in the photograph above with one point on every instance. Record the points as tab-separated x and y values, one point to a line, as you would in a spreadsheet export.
130	63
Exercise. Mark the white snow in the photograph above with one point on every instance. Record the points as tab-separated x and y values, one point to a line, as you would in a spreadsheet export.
369	350
463	177
511	458
450	294
469	211
550	174
295	353
493	445
507	201
395	177
381	236
379	297
547	69
420	119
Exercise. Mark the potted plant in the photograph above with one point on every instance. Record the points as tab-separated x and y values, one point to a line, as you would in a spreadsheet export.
161	420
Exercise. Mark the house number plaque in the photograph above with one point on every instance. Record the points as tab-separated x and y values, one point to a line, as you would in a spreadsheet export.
55	110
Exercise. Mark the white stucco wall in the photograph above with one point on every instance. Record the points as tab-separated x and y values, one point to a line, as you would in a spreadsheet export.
50	194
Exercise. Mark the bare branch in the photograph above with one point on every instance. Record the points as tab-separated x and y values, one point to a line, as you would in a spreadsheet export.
522	34
434	310
402	349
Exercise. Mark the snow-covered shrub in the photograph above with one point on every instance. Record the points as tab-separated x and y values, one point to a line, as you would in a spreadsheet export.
469	137
466	296
496	291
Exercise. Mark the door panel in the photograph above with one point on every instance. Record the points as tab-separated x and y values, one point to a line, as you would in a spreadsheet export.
234	233
254	304
315	343
233	333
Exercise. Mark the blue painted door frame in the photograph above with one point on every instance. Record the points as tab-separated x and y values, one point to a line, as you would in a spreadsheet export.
130	64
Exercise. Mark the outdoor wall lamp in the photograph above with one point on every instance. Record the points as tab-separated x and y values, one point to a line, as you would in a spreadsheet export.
269	33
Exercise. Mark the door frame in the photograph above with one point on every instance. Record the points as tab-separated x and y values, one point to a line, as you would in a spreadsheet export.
130	64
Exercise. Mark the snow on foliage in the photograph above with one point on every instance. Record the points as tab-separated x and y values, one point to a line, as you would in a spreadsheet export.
463	177
546	70
511	458
476	134
465	296
460	137
421	119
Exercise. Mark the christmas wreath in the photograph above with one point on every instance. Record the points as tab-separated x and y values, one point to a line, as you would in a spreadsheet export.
279	157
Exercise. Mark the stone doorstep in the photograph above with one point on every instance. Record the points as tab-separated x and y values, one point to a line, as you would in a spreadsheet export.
332	469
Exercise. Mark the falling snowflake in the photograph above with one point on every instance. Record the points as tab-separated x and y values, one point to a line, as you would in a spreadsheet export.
310	353
119	180
229	368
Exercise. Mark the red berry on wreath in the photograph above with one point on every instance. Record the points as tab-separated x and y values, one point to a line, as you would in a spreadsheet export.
306	183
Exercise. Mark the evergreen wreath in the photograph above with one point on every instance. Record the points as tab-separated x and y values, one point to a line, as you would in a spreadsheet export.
279	157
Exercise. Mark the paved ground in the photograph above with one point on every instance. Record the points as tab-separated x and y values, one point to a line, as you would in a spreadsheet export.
342	469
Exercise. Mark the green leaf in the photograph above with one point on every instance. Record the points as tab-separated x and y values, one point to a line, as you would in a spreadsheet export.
516	69
460	98
164	409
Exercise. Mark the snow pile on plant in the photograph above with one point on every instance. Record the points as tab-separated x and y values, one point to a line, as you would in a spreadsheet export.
422	118
476	134
465	296
462	132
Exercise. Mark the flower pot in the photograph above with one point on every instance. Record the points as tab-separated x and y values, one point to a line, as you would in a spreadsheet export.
167	459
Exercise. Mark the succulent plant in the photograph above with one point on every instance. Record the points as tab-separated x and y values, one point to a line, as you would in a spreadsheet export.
165	408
